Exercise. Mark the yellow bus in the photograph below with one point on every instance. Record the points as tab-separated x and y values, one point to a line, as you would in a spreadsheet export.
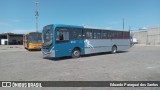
32	41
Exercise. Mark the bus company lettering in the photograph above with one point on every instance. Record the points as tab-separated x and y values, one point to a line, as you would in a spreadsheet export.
34	85
14	84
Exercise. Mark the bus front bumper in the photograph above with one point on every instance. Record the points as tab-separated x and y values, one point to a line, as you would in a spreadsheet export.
48	54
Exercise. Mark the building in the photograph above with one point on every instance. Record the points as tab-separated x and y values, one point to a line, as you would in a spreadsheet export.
141	36
150	36
11	39
153	36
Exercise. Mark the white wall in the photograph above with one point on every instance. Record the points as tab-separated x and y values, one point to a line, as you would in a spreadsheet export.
3	41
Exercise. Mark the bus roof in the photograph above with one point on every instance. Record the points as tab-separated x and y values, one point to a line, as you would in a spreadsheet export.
71	26
106	29
76	26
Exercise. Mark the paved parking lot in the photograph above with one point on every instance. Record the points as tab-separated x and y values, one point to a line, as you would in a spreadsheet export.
139	63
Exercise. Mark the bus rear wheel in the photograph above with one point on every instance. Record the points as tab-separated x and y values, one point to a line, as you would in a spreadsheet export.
114	49
76	53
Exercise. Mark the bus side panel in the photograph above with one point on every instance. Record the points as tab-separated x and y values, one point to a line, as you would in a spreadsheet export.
65	48
97	45
105	45
122	44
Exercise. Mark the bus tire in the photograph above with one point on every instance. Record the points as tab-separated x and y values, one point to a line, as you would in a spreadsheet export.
114	49
76	53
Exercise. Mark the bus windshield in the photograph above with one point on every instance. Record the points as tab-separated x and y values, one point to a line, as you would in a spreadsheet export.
35	37
47	37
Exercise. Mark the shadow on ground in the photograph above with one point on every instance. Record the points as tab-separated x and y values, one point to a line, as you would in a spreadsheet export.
83	56
33	50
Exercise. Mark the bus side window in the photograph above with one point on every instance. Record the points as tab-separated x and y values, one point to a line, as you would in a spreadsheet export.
62	34
87	33
65	35
61	37
103	35
75	34
96	34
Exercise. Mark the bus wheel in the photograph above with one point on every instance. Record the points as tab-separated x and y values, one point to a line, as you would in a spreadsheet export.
114	49
76	53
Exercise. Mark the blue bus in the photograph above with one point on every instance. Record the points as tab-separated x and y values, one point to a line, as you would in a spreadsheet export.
60	40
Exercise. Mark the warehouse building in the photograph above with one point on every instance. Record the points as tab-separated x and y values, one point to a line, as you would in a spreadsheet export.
150	36
11	39
153	36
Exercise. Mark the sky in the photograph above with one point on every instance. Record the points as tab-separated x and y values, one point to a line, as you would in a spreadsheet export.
18	16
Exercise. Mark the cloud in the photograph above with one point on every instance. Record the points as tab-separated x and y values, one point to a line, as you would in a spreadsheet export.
11	21
16	20
143	28
4	24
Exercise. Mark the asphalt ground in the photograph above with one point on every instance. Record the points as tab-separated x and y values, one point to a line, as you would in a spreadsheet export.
139	63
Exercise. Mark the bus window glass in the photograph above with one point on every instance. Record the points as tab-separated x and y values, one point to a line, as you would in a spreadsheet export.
75	34
114	35
87	33
108	34
104	34
119	35
126	35
96	34
35	37
48	37
62	34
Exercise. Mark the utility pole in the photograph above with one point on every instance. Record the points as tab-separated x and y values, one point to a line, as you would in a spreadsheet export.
123	23
36	15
